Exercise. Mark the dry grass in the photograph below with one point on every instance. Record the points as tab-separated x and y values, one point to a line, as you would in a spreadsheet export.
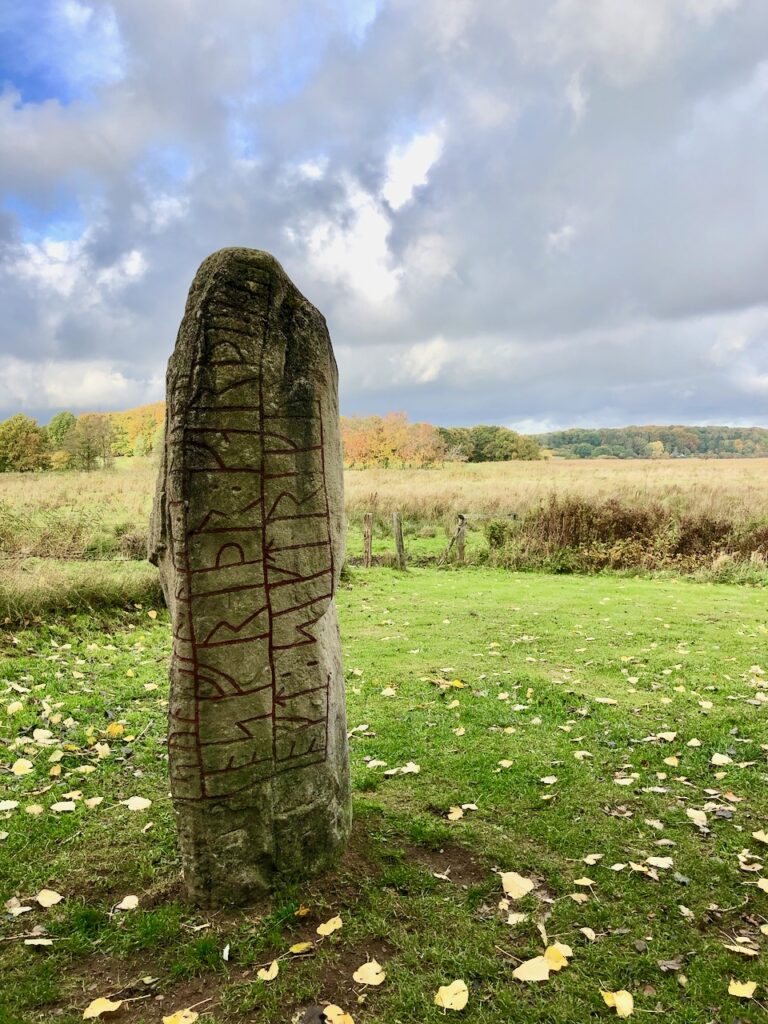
734	489
30	588
568	516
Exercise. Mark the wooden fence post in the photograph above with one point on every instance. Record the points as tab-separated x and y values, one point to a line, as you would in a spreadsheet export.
397	529
367	539
460	531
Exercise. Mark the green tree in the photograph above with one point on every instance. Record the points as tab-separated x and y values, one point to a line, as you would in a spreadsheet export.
121	442
22	445
58	428
89	441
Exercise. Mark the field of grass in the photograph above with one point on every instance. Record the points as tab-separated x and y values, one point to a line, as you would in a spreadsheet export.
579	715
704	517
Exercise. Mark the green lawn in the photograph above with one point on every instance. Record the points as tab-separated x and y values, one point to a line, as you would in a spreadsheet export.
486	666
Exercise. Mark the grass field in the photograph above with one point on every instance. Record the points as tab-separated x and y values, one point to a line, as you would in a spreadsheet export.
698	517
580	715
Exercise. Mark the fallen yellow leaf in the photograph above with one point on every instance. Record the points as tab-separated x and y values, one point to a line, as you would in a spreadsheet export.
268	973
99	1006
329	927
453	996
537	969
128	903
48	897
621	1001
187	1016
720	759
136	803
515	886
335	1015
301	947
555	958
370	973
741	989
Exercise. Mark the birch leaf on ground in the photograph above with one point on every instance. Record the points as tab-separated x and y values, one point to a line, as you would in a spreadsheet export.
268	973
128	903
301	947
335	1015
720	759
621	1001
741	989
453	996
515	886
22	766
370	973
48	898
188	1016
101	1005
537	969
136	803
555	958
329	927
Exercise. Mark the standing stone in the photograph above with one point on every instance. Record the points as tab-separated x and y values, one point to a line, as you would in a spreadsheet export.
247	529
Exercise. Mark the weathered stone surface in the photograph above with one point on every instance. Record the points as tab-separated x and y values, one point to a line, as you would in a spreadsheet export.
247	530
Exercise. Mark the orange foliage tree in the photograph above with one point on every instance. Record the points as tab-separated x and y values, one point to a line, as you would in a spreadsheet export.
390	441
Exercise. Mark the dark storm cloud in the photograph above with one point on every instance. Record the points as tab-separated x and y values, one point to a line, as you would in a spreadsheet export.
588	245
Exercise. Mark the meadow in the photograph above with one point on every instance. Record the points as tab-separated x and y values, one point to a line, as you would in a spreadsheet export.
586	754
603	738
79	539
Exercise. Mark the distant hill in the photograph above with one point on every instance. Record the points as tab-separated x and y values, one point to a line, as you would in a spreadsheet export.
653	442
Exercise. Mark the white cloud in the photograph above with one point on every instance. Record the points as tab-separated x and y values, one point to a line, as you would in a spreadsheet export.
351	248
67	269
423	363
161	211
92	385
408	167
90	42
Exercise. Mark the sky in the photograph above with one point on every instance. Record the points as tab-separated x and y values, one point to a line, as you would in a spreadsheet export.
542	214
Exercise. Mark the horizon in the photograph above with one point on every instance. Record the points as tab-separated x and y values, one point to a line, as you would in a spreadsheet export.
588	426
545	220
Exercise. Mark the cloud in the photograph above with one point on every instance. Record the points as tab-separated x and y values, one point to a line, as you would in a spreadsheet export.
408	167
80	385
512	212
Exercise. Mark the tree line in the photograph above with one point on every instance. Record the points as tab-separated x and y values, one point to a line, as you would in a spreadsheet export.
94	440
654	442
89	441
393	440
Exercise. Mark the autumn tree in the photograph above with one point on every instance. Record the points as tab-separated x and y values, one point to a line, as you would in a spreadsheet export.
22	445
90	441
390	441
